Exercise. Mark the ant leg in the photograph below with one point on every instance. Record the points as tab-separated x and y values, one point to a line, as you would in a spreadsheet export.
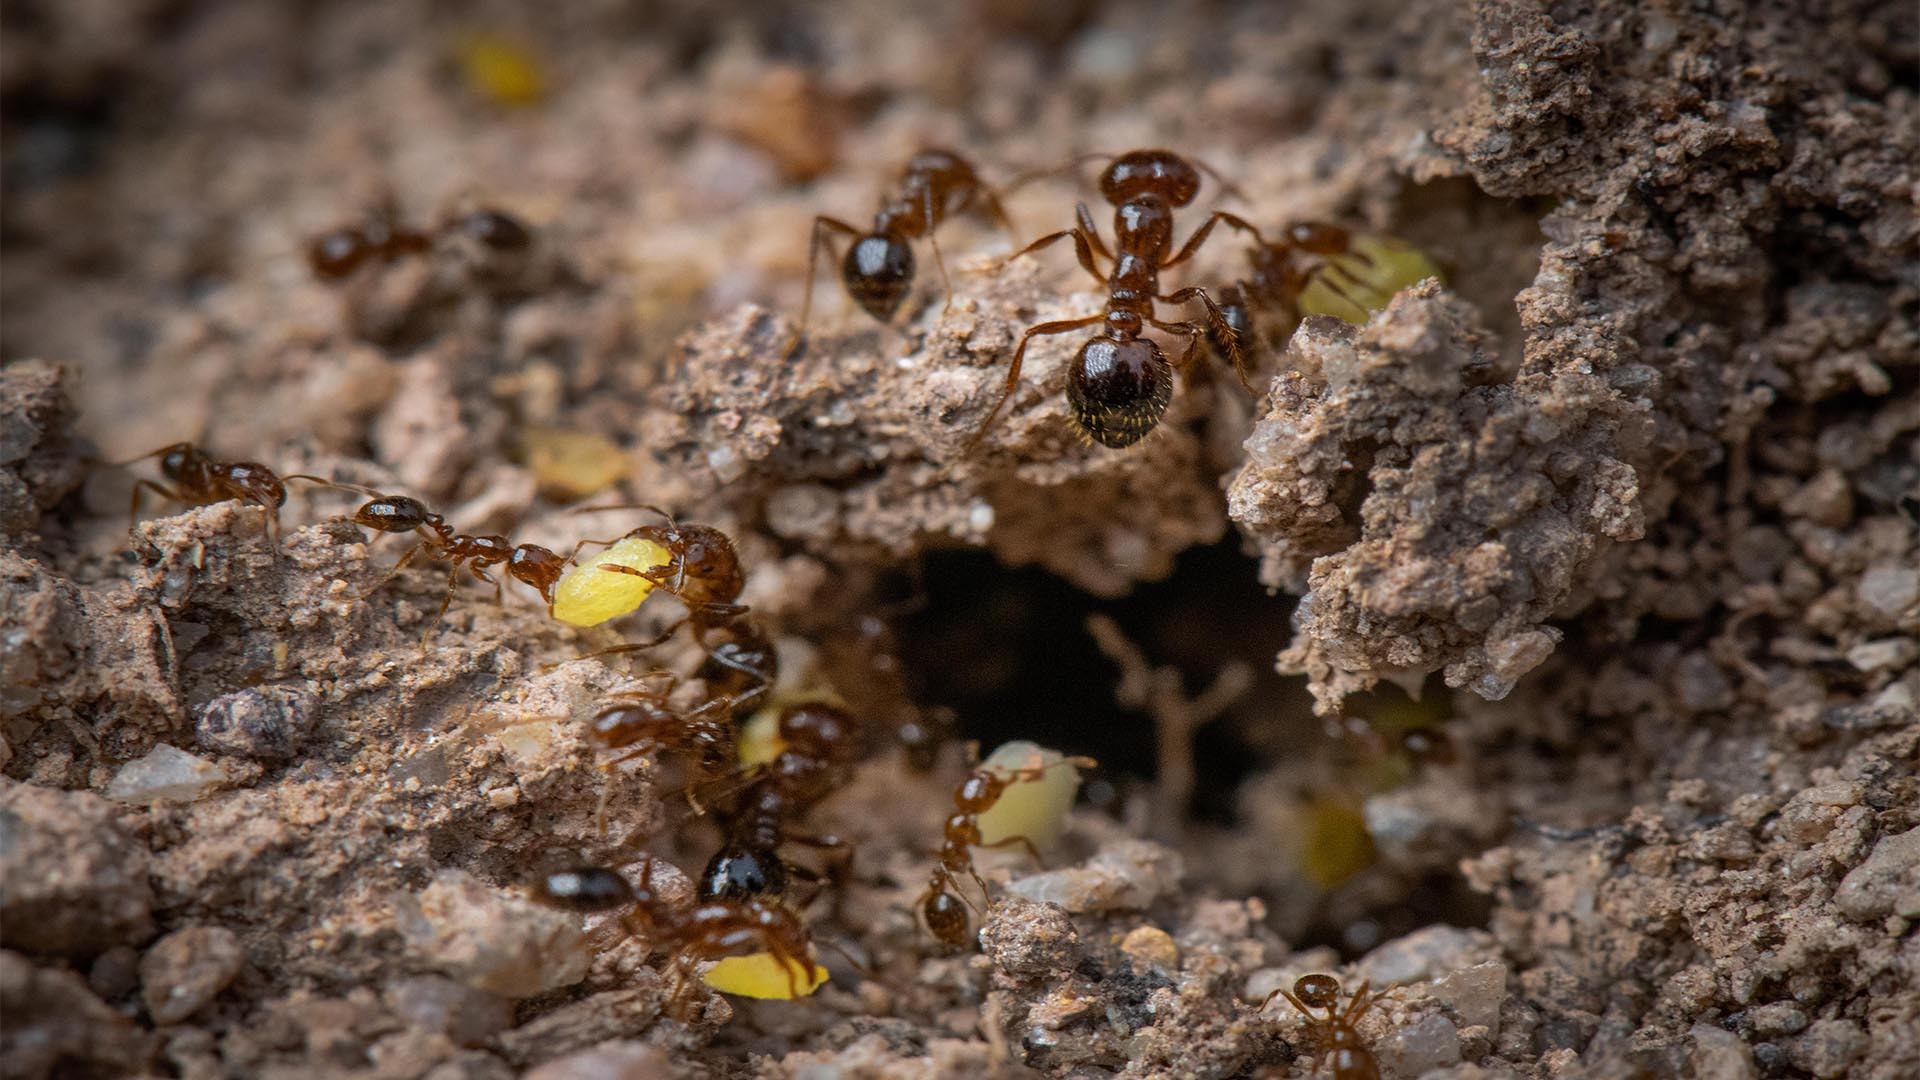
1227	187
933	240
391	574
1013	370
1082	250
1085	217
453	582
813	260
1222	329
133	508
998	212
1200	235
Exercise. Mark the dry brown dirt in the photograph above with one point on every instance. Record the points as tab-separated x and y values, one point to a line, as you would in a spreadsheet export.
1627	508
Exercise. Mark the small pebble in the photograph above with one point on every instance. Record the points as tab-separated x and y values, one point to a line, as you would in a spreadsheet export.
618	1060
1125	876
1828	1048
491	940
1151	947
1888	883
166	774
188	968
1430	1043
75	884
1719	1054
267	724
1475	994
437	1004
1028	939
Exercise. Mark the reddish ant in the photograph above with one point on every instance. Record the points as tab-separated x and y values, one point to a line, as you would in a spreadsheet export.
878	268
709	930
338	253
742	666
1353	275
198	480
1336	1031
819	742
1120	383
537	567
702	570
940	903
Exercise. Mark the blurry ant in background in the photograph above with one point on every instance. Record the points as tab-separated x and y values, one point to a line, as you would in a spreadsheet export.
198	480
1336	1032
941	904
337	253
1120	383
1320	269
710	930
878	268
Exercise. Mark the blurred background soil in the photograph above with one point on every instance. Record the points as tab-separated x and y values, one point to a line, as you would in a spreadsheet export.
1547	646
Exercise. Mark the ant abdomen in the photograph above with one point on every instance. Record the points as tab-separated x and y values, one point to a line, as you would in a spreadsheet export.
878	271
1119	390
584	889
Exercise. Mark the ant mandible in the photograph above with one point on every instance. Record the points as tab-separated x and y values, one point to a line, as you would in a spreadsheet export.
941	905
198	479
710	930
1120	383
878	269
702	570
1336	1031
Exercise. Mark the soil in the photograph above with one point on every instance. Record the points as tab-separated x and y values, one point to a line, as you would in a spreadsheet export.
1547	648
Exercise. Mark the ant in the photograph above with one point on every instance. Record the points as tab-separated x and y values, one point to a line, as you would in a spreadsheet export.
940	903
819	742
710	930
1120	383
537	567
198	479
702	570
1360	274
1336	1031
878	269
337	253
742	666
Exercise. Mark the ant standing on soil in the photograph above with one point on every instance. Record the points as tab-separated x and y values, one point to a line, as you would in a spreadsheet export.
198	480
819	741
878	269
335	254
940	903
1358	273
1336	1031
710	930
702	571
1120	383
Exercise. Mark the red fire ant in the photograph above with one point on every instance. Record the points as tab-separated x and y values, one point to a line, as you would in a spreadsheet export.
337	253
1120	383
708	931
702	571
1336	1031
878	268
940	903
819	742
198	480
1359	273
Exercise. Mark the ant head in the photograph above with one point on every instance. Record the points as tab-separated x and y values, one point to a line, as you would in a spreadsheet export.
494	229
1319	239
820	731
584	888
337	253
175	460
634	720
1119	388
393	513
1161	172
1318	991
878	271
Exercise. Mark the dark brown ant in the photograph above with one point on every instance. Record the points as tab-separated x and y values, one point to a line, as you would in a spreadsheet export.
940	903
878	269
819	742
1120	383
710	930
1336	1031
1278	277
337	253
198	479
742	665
